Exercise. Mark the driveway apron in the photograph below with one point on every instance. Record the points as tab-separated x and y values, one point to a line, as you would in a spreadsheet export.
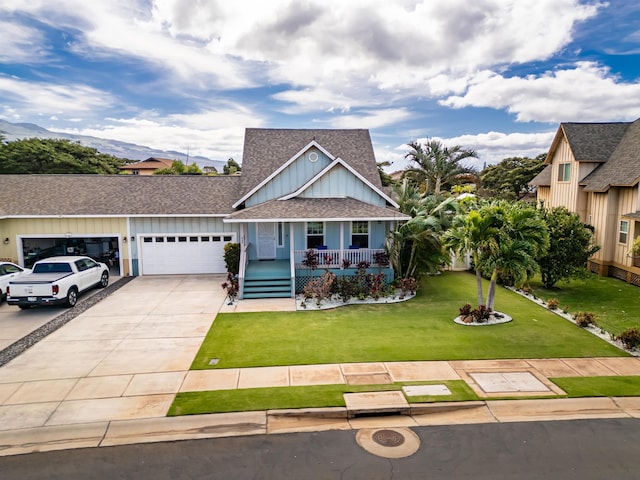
122	359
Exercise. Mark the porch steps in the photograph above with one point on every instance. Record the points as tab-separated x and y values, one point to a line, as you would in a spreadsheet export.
272	288
267	280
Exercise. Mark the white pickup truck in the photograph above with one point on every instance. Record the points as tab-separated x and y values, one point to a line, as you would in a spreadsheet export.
57	280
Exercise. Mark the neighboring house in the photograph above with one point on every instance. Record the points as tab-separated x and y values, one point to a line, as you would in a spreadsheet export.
593	169
299	190
148	166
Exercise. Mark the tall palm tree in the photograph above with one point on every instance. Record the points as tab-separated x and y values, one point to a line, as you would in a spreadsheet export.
437	164
503	238
475	232
415	246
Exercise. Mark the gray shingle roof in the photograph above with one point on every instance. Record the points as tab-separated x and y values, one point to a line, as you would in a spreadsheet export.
267	149
543	179
593	142
45	195
316	209
623	166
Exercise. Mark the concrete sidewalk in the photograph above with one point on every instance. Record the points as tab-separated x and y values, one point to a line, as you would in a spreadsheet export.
109	376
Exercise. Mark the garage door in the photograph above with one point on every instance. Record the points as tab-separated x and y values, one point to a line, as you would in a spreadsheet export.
183	254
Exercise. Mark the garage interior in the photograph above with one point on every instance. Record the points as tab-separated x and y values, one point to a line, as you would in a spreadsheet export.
101	249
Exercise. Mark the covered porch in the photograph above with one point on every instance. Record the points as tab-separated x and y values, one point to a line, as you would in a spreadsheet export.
278	239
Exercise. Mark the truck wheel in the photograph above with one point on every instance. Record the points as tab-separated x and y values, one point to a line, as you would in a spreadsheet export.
72	297
24	307
104	279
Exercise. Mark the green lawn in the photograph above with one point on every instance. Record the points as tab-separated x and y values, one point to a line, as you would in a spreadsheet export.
600	386
420	329
223	401
616	303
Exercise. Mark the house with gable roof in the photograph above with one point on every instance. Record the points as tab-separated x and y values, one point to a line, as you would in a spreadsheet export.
300	191
593	169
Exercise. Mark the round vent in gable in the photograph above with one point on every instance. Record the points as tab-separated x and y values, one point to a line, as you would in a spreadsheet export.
313	157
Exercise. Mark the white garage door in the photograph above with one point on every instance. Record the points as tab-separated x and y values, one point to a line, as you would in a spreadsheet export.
183	254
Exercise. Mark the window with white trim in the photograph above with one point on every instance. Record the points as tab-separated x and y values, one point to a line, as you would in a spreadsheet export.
623	233
564	172
315	234
360	233
280	234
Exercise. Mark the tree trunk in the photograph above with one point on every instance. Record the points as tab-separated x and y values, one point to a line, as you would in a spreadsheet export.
491	292
478	279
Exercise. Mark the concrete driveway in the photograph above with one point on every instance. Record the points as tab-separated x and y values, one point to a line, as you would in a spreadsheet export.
122	359
16	323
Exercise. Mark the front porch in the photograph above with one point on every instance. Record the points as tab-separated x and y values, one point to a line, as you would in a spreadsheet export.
282	278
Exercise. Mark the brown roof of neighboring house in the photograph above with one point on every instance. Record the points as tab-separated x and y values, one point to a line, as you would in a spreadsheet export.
151	163
114	195
543	179
591	142
315	209
266	149
623	166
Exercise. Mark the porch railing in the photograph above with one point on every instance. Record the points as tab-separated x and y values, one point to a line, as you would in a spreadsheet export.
335	258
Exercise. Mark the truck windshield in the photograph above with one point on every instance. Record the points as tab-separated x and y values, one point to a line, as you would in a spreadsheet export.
52	268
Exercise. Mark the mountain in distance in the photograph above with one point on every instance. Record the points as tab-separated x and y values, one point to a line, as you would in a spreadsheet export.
18	131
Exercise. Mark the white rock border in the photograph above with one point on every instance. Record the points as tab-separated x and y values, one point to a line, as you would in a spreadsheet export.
597	331
335	302
491	321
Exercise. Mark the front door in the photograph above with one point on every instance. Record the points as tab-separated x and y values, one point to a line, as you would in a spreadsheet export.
266	241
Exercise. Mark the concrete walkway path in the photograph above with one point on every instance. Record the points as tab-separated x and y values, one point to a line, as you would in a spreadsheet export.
109	376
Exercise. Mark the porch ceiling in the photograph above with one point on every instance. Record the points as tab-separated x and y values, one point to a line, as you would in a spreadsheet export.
314	209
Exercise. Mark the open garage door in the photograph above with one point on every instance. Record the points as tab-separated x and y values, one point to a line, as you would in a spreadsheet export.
165	254
102	249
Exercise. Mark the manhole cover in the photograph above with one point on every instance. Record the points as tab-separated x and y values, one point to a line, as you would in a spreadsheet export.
388	438
389	442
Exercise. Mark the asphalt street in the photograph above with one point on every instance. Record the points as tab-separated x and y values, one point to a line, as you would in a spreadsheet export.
580	449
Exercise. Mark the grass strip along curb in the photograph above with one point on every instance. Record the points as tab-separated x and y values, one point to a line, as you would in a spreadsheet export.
316	396
26	342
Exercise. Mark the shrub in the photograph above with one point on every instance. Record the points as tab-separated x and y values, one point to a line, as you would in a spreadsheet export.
345	288
481	314
232	257
381	259
376	285
320	288
407	285
553	303
232	287
346	263
630	338
527	289
465	310
310	259
584	319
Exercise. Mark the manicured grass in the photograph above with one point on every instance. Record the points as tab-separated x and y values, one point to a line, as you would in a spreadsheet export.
600	386
420	329
615	303
252	399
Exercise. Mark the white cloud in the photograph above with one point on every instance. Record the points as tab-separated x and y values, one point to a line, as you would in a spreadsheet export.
491	147
585	93
370	119
342	47
49	99
216	134
19	43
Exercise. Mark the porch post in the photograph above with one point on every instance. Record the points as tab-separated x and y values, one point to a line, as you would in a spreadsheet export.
341	244
292	259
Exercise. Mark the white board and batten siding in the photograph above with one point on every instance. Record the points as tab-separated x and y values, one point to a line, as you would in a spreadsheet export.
183	254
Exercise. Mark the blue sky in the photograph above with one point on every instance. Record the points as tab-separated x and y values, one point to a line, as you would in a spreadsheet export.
493	75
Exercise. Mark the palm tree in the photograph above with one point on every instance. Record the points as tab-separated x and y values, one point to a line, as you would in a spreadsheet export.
415	246
474	232
437	164
408	197
503	238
